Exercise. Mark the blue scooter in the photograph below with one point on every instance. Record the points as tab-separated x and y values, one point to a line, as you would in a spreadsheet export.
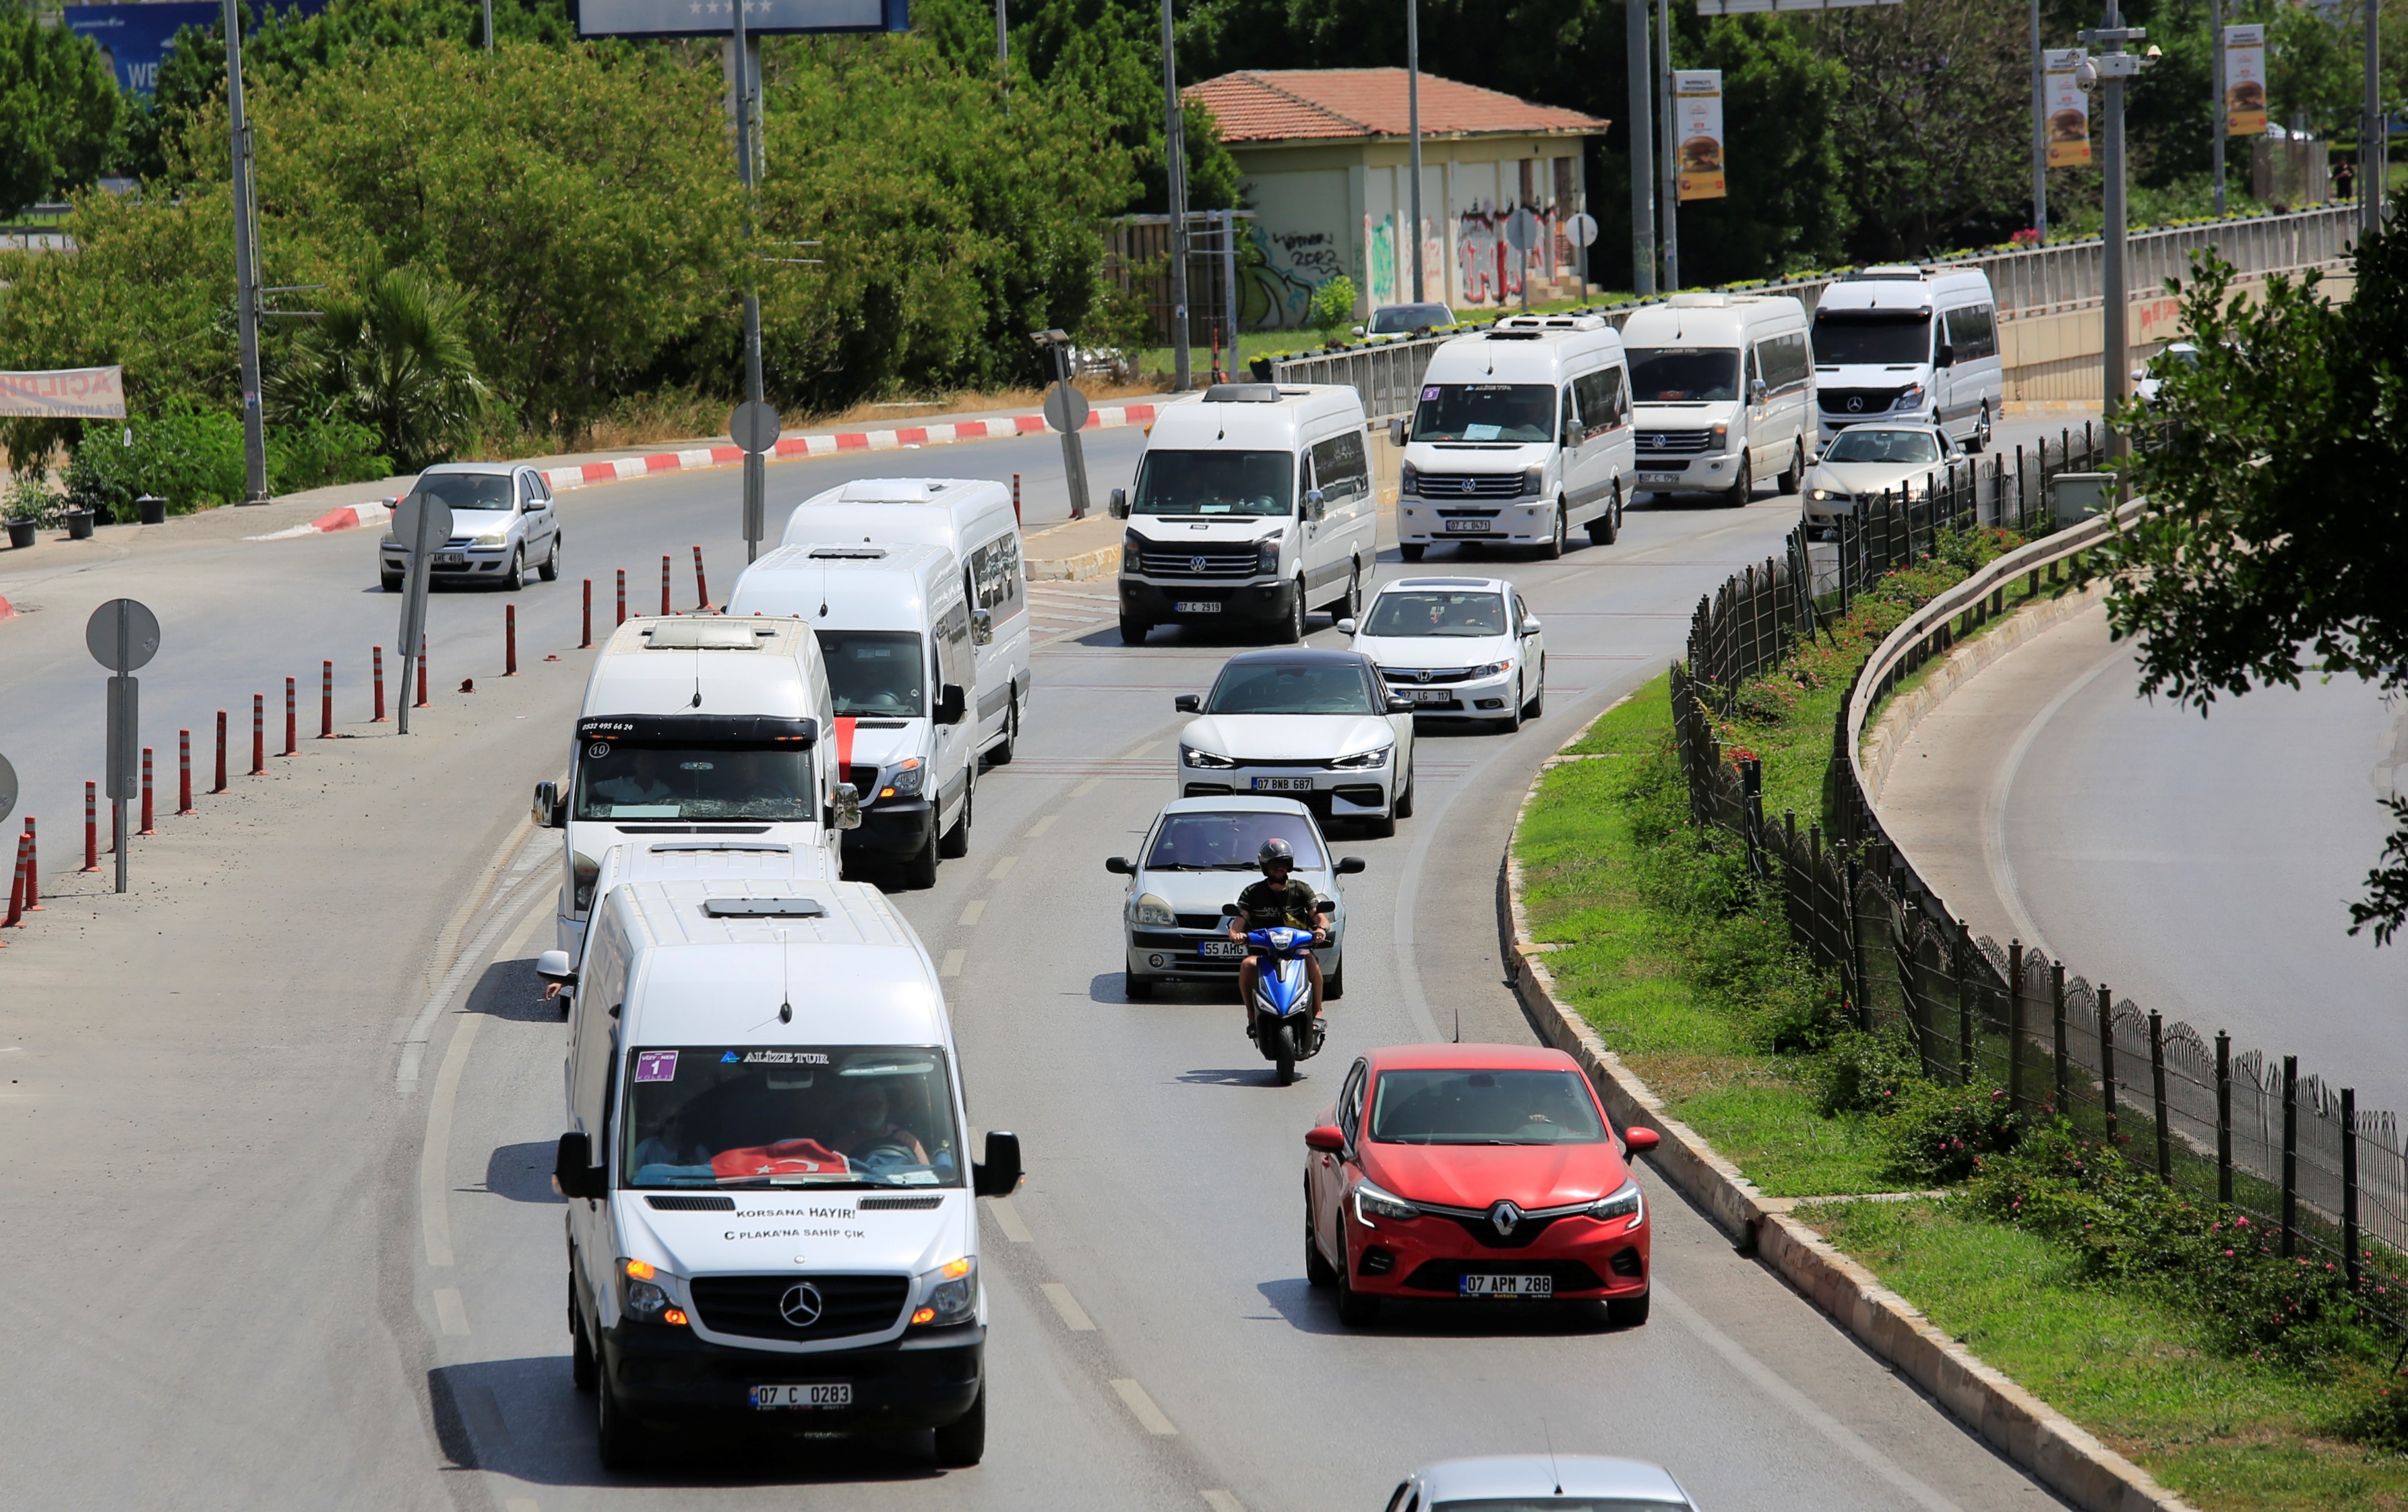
1283	1025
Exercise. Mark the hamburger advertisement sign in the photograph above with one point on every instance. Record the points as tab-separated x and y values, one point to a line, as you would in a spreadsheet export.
2069	111
2244	80
1698	131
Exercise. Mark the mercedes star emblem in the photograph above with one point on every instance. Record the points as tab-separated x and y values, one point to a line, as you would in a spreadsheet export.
1196	564
1506	1217
1856	404
801	1306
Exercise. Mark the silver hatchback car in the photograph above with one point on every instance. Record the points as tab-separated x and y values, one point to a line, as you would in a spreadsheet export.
1199	855
503	523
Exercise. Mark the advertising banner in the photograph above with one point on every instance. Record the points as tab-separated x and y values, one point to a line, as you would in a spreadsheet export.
66	394
1698	131
2069	109
715	18
135	39
2244	80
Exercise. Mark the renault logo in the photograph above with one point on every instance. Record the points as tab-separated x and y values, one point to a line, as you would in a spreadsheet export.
1196	564
1506	1217
801	1306
1856	404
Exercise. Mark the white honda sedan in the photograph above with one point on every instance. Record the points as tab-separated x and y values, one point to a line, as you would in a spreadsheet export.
1457	648
1864	462
1318	727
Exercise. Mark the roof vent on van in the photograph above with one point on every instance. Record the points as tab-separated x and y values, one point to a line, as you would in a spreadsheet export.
1242	394
1699	301
1888	272
889	490
704	634
847	554
764	908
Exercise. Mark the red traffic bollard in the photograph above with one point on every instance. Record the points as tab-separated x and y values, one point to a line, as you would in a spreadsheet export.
258	734
92	827
701	587
222	748
375	655
32	868
1015	498
16	918
292	719
422	674
510	639
664	587
586	639
623	595
183	771
326	701
148	827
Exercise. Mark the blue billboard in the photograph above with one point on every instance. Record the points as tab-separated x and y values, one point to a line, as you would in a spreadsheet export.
135	38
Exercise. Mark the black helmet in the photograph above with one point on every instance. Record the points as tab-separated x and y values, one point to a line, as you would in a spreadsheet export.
1275	849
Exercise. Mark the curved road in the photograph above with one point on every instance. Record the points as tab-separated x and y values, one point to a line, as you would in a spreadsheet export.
279	1221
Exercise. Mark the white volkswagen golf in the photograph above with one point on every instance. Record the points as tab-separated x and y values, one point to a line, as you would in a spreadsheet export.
1318	727
1457	648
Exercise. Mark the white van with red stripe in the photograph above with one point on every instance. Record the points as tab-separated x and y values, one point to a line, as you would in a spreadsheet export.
896	640
697	727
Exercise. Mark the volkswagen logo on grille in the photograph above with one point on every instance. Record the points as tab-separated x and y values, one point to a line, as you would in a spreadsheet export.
802	1305
1196	564
1856	404
1421	677
1506	1217
1466	485
1657	443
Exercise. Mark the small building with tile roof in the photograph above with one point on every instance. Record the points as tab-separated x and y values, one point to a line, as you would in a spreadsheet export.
1326	157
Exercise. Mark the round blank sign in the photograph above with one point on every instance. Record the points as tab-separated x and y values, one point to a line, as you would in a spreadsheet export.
100	635
7	788
1582	228
404	522
1521	231
1066	408
754	426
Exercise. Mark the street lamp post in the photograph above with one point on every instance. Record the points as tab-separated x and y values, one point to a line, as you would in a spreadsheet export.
1413	127
1642	152
756	476
2112	66
1671	148
2374	135
1174	148
246	268
2217	82
2039	133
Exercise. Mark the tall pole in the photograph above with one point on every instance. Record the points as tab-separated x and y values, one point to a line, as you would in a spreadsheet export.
757	479
2039	132
2374	136
2217	82
1174	152
2116	304
489	25
1413	127
1642	149
246	268
1003	54
1671	149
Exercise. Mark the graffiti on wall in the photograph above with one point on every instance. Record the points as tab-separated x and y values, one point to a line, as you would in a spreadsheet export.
1379	261
1280	277
1488	270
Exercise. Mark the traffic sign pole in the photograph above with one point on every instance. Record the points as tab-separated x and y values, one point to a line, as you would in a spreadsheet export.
425	523
1065	411
754	427
123	636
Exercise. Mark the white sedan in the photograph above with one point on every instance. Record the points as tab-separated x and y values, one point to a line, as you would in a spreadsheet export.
1457	648
503	524
1864	462
1201	854
1318	727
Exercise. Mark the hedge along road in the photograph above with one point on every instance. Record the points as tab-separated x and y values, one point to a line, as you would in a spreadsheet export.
222	1214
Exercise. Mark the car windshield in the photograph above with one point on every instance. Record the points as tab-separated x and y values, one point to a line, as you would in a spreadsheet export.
1558	1504
750	1115
1485	413
466	490
1663	375
616	781
1864	445
1229	841
1882	342
1283	687
1391	319
1214	482
1429	612
1483	1107
876	674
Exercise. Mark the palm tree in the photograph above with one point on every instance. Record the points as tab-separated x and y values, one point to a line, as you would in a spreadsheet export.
396	359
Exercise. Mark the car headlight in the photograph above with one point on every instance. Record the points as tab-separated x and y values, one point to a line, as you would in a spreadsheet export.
1364	761
1818	493
1409	479
1495	668
905	780
1154	909
1190	756
1267	552
643	1298
1533	479
583	871
491	537
1625	1202
1908	397
1373	1203
951	1294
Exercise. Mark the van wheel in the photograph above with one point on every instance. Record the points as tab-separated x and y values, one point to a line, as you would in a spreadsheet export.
1602	529
1351	606
1790	479
617	1436
1742	487
391	585
1292	631
584	1370
1411	551
955	844
920	869
1554	549
1133	632
1979	441
962	1443
1001	755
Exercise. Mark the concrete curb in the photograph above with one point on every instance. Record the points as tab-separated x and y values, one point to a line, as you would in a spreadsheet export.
2057	1451
1103	562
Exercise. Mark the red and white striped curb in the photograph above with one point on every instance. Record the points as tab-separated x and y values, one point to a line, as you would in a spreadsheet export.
1104	417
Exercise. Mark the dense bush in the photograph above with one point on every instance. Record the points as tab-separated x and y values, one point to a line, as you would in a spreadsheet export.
192	458
1860	1072
1939	1134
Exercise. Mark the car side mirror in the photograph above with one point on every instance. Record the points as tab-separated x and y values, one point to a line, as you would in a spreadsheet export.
1345	626
845	807
573	1171
1397	432
546	807
1349	866
1530	627
1120	866
1188	703
999	1174
1400	706
2139	373
1641	1141
982	628
953	705
1359	331
1116	505
555	966
1328	1139
1944	357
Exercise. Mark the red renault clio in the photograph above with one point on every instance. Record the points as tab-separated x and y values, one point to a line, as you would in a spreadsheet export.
1484	1171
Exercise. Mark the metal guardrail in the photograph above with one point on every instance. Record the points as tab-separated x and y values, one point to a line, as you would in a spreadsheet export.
2037	280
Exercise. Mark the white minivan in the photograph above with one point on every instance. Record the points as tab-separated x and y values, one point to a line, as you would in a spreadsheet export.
1725	386
1909	343
770	1216
973	519
1521	433
696	727
1253	506
894	634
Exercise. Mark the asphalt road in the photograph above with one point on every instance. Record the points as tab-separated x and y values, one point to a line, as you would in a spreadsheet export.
279	1217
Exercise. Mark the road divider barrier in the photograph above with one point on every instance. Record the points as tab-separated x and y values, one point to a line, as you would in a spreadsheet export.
148	825
92	827
326	701
375	660
701	587
585	634
665	586
510	639
221	753
622	597
292	719
258	734
183	771
16	918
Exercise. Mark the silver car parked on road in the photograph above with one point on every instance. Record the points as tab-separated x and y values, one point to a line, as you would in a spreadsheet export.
503	523
1199	855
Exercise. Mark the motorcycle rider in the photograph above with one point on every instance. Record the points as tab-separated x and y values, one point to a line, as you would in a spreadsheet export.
1280	900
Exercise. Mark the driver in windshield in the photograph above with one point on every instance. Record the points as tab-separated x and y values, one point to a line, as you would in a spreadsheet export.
868	1123
1280	900
638	781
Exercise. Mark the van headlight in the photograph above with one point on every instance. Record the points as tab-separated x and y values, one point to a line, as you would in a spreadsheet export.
1623	1201
949	1294
583	871
905	780
1152	908
1373	1203
1267	552
1363	760
643	1295
1534	480
1190	756
1908	397
1409	479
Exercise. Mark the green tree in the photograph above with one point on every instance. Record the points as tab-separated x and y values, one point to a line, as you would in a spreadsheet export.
1333	304
395	358
1782	102
58	111
2278	540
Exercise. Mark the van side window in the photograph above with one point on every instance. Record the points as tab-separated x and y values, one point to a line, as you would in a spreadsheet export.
954	663
1600	398
1973	331
992	577
602	990
1340	467
1783	362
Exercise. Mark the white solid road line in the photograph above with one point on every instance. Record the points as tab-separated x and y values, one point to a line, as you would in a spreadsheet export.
1141	1407
1074	1317
449	1311
1007	1217
498	914
1994	804
1798	1403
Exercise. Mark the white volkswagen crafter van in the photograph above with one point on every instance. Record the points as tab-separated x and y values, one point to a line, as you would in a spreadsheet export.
767	1170
1253	506
1904	343
1522	432
895	633
696	727
1725	386
971	518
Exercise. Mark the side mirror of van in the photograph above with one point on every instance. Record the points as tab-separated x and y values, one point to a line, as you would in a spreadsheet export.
953	705
1756	391
1188	703
1944	357
1317	504
553	966
999	1174
546	807
982	628
1119	866
845	807
1397	432
573	1171
1349	866
1117	505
